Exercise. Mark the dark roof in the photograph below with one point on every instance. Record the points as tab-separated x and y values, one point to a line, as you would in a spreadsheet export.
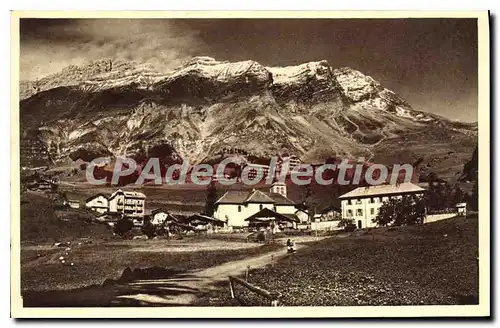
158	210
266	213
280	199
330	208
258	196
253	196
292	217
204	218
233	197
75	196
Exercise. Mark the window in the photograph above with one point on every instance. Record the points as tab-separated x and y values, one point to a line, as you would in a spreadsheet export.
239	208
372	200
359	212
349	213
349	202
274	208
261	207
372	211
358	201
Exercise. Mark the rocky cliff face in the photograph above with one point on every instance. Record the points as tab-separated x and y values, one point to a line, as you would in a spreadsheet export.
205	106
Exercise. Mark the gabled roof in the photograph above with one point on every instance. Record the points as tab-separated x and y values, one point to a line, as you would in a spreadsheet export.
253	196
385	189
95	196
233	197
128	194
258	196
280	199
158	210
330	208
267	213
204	218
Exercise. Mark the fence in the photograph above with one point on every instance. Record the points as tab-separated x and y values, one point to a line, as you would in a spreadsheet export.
273	297
439	217
326	225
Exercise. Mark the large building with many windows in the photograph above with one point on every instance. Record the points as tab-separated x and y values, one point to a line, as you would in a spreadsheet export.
363	203
130	203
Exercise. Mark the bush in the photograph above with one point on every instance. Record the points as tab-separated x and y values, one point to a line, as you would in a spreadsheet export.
407	210
148	229
123	226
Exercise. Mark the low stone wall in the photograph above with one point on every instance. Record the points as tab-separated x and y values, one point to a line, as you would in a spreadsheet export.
325	226
438	217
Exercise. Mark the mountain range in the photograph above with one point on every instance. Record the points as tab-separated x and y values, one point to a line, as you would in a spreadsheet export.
206	107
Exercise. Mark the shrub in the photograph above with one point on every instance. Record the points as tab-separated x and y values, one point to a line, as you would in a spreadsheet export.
407	210
148	229
123	226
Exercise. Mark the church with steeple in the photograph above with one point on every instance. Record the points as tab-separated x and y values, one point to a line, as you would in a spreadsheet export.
243	208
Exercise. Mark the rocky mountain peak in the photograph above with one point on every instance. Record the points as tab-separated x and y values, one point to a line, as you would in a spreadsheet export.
206	106
355	85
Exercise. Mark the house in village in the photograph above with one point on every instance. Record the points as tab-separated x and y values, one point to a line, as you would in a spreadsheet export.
109	218
72	200
73	203
98	203
330	213
206	223
158	216
130	203
363	203
236	206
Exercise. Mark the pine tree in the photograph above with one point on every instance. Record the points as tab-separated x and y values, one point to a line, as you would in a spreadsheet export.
211	198
474	199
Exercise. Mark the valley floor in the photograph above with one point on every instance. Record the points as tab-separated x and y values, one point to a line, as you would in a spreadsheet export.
435	263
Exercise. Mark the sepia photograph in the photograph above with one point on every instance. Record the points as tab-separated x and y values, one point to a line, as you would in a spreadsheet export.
177	163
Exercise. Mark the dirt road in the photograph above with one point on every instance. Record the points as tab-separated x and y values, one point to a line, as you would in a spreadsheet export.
187	288
178	290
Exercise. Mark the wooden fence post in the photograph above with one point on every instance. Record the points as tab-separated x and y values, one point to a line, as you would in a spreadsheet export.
231	287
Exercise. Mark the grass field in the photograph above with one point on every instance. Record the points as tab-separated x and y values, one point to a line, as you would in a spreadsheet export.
41	268
97	255
435	263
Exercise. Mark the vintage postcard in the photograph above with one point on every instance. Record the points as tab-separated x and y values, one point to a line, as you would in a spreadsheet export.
282	164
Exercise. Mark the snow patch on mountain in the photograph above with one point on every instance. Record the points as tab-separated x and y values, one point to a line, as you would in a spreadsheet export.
210	68
299	73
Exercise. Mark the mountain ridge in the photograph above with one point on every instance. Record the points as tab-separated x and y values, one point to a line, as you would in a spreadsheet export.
195	111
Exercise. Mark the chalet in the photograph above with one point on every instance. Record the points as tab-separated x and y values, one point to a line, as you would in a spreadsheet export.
303	215
235	206
461	209
363	203
160	216
331	213
207	223
269	219
98	203
109	217
72	199
73	203
130	203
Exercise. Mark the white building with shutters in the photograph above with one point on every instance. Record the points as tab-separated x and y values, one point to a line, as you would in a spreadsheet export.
363	203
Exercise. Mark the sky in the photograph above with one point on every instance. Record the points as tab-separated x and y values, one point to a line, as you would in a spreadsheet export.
432	63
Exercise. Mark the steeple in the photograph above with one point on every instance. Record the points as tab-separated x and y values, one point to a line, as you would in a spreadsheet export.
279	188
